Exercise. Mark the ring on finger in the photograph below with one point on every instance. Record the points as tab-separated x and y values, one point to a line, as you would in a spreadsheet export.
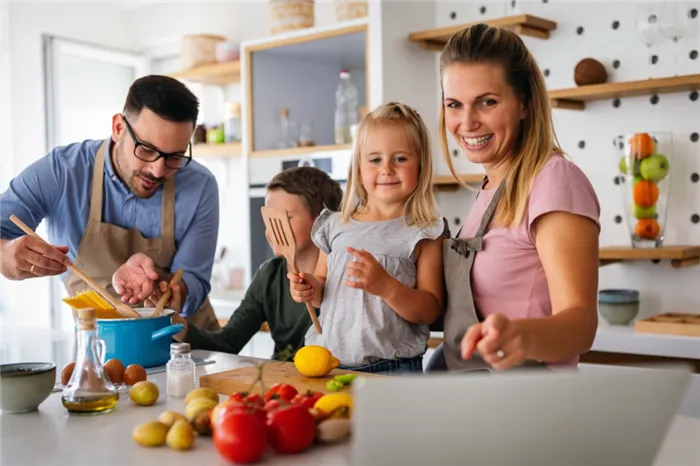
31	269
500	354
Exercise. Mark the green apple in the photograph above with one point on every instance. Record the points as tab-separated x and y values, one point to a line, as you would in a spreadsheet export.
654	167
643	212
623	167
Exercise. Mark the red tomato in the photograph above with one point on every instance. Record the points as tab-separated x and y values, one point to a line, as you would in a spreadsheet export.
281	390
291	429
255	400
234	407
240	437
271	406
307	399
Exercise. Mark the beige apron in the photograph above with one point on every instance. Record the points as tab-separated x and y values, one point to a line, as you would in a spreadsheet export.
105	247
460	311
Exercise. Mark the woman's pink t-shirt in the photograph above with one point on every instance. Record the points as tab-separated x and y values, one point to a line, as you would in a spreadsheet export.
507	276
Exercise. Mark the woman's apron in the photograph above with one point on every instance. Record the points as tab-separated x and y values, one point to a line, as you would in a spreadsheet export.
105	247
460	311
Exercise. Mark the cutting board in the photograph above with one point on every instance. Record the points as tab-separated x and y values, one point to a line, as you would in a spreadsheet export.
240	380
671	323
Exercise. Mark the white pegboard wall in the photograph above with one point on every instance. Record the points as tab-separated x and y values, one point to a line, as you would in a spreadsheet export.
607	31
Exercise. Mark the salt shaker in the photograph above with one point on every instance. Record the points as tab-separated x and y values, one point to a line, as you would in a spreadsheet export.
180	370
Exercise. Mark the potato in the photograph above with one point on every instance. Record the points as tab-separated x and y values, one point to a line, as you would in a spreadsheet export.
144	393
150	434
201	393
180	436
198	406
170	417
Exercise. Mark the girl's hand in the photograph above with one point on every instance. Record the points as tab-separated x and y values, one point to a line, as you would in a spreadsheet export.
499	341
304	288
367	273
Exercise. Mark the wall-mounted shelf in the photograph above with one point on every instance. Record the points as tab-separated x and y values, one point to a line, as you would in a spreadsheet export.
299	150
447	182
680	256
524	25
227	150
216	73
575	98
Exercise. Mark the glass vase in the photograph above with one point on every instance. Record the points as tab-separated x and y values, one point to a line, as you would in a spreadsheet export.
643	165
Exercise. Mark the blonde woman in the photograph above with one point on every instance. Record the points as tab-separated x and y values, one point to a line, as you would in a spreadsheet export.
522	276
379	281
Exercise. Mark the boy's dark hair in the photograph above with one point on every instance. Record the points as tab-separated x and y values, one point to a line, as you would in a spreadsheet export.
166	97
314	186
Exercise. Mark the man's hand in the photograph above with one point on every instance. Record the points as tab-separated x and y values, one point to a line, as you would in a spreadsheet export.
177	296
133	281
29	257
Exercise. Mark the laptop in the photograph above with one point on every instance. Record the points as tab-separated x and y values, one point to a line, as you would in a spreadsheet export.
607	416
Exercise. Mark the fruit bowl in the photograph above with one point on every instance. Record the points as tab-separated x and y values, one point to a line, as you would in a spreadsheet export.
643	166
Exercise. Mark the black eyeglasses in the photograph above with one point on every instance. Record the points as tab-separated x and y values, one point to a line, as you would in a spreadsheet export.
147	153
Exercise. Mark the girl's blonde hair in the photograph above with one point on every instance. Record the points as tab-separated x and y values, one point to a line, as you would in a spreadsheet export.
420	205
537	140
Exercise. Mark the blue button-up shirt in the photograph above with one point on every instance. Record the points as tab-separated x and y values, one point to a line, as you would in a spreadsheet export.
57	188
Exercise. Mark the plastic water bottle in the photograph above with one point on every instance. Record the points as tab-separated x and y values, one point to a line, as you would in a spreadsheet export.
346	108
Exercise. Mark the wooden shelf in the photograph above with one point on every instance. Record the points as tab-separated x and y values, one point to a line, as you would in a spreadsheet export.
575	98
227	150
299	150
680	256
524	25
216	73
447	182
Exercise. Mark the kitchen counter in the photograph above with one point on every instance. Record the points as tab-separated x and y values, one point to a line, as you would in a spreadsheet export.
51	436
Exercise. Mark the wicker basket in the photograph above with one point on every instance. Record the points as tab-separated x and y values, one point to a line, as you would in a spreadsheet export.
288	15
199	49
350	9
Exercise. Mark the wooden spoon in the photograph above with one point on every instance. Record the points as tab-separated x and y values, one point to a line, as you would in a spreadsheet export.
164	299
123	309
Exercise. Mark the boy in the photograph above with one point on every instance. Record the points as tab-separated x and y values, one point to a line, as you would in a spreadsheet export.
303	192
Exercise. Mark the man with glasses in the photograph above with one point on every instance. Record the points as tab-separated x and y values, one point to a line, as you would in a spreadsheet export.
129	211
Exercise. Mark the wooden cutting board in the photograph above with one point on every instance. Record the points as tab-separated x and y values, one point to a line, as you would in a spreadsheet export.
239	380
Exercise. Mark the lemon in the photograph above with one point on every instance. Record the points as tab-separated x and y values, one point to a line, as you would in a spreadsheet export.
331	402
315	361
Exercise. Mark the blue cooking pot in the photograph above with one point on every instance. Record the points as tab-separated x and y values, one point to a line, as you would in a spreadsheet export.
144	341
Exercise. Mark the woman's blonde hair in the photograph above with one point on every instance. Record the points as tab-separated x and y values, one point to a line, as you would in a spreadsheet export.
537	140
420	205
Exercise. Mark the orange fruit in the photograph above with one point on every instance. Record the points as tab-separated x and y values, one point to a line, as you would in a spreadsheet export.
641	145
645	193
647	228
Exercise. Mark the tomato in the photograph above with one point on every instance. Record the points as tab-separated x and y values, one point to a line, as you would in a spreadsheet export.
307	399
247	398
241	437
281	390
272	405
224	409
291	429
255	400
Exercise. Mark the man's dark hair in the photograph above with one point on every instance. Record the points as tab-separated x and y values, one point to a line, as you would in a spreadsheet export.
314	186
166	97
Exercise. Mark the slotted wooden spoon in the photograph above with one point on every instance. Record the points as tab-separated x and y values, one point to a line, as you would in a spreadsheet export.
277	221
123	309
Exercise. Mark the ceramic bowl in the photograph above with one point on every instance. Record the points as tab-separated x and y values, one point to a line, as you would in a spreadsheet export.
25	385
618	307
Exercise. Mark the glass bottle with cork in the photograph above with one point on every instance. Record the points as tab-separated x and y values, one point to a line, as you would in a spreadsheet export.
89	390
180	370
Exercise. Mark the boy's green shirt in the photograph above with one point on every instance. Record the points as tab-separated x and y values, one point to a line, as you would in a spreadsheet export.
266	300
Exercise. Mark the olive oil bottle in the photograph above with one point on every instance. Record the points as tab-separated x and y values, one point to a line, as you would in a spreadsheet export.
89	390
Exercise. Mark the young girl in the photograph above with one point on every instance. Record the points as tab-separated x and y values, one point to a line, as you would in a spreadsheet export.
379	278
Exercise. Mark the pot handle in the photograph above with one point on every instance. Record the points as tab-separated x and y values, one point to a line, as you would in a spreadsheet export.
167	331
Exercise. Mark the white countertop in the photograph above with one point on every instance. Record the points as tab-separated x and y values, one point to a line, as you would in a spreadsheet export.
624	339
51	436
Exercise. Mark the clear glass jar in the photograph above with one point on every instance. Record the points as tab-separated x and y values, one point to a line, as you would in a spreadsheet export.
180	370
89	390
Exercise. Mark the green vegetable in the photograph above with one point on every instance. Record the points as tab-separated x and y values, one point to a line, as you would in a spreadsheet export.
333	385
345	379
